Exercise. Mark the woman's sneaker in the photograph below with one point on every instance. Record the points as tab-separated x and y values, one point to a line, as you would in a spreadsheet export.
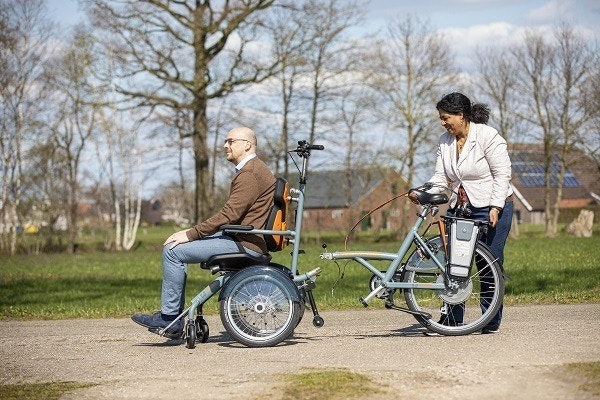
444	320
491	328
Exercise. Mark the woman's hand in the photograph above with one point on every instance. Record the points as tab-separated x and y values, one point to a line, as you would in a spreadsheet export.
494	213
413	197
177	238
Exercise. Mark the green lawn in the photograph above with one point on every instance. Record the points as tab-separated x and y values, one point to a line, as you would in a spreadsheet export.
95	284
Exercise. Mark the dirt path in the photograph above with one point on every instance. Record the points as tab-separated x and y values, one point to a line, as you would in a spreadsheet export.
524	361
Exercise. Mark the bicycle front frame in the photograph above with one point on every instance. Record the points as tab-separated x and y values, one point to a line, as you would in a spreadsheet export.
395	259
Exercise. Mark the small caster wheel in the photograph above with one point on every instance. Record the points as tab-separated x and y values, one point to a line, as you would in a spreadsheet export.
190	330
202	329
318	321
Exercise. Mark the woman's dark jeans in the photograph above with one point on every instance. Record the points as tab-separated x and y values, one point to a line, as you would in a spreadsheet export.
495	238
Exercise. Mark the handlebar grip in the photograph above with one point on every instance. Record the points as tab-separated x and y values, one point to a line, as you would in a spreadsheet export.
317	147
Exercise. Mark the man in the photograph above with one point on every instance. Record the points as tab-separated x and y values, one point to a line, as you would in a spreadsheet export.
250	200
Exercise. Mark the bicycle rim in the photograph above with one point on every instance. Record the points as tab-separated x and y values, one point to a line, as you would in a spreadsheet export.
465	309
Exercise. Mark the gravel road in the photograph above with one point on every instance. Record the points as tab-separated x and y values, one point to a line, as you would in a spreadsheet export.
524	361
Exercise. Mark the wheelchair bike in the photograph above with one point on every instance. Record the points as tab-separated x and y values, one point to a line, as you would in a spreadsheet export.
260	302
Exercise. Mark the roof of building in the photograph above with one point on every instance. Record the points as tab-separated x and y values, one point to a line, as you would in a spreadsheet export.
337	189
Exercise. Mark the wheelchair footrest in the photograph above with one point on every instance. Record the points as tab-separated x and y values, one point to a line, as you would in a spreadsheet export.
168	334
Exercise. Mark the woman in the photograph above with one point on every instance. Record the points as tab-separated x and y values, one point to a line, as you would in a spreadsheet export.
472	158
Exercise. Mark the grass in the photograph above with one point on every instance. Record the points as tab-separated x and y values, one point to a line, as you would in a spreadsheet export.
39	391
94	284
591	372
328	384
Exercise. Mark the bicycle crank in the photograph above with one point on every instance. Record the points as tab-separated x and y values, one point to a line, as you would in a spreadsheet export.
392	306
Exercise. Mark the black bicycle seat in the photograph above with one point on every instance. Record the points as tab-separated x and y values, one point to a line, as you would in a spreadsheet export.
424	197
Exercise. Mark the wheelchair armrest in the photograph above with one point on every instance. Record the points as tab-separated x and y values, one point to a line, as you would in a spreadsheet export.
236	227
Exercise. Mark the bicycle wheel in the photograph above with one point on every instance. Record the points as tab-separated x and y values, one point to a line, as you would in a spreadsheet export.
261	307
464	306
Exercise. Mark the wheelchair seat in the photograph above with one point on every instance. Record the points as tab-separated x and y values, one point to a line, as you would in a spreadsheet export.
234	262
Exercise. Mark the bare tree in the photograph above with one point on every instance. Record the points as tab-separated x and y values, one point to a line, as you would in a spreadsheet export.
181	54
121	162
534	81
355	110
497	81
289	40
75	119
574	66
554	77
24	34
327	58
591	141
44	191
409	76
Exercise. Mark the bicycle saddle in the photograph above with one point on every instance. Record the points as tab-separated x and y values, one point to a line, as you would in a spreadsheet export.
424	197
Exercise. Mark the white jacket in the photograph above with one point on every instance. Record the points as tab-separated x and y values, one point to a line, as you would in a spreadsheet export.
483	168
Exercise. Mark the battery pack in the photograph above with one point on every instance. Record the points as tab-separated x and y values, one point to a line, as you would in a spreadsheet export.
463	235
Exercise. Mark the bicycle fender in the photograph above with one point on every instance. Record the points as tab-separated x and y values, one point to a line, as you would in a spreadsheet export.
262	270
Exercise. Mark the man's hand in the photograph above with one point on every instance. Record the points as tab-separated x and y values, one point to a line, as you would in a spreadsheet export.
177	238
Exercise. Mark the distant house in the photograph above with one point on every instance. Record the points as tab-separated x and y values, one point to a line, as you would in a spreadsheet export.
581	183
336	200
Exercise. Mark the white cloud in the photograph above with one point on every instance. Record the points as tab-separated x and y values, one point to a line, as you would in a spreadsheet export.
497	34
552	10
466	41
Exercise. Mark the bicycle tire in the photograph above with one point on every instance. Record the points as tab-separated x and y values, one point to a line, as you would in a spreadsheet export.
262	308
485	271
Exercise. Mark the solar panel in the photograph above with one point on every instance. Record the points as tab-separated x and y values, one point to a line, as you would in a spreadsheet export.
529	168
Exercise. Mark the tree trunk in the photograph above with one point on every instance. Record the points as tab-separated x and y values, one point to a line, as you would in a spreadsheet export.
202	206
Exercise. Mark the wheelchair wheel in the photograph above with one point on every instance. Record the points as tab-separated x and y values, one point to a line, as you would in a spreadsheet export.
190	330
464	306
201	329
260	306
301	290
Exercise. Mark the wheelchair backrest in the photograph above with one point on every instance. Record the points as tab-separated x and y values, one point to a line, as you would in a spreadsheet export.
277	217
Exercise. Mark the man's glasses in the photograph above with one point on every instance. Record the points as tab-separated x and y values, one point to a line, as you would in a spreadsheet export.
231	141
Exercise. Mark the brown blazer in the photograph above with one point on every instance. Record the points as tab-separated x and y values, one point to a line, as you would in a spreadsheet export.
250	200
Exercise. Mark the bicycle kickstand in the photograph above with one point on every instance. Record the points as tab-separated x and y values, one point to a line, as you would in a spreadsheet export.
317	319
390	305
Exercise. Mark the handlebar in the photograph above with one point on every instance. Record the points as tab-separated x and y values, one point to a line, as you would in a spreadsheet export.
304	148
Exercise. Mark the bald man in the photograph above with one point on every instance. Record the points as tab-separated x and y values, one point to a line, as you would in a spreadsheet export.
250	200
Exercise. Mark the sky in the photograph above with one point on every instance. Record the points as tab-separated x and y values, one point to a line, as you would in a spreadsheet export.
444	14
467	24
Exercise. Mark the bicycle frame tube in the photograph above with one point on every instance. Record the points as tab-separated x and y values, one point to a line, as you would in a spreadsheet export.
386	277
298	228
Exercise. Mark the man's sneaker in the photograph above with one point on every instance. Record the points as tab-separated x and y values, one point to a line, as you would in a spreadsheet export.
491	328
158	321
